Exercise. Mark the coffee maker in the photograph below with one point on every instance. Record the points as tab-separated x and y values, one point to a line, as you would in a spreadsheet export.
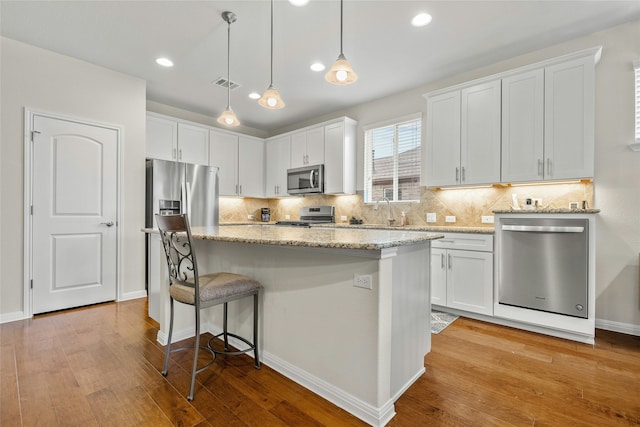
266	214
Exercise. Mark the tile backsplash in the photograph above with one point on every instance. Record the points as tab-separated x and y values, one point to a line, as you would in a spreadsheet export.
467	205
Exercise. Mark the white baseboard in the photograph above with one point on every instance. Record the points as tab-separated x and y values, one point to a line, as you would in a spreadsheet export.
625	328
376	417
12	317
132	295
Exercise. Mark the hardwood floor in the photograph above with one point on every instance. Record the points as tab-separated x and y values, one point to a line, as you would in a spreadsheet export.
101	365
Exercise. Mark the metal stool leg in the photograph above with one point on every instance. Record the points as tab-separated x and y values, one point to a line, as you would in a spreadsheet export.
255	332
194	371
224	328
165	369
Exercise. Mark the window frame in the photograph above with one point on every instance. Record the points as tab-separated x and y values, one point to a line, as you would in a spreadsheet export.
367	196
636	71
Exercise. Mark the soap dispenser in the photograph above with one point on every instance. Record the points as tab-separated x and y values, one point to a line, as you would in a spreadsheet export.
403	219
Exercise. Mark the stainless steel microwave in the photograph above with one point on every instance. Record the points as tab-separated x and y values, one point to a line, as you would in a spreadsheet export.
305	180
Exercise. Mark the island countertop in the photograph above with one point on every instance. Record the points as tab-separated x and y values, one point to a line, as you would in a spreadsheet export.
320	237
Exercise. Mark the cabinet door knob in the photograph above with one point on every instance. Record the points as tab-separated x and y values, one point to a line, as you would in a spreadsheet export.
457	174
450	263
442	260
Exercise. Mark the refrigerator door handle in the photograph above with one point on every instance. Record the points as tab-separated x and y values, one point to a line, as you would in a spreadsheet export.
187	200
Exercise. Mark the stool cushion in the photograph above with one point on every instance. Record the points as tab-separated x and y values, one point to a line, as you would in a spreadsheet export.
215	286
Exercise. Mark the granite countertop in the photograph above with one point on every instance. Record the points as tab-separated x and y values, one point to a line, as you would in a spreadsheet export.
316	237
548	211
420	228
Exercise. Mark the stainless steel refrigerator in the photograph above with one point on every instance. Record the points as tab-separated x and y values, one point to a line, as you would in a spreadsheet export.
174	188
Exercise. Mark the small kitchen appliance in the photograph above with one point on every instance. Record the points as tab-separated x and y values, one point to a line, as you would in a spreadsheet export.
265	214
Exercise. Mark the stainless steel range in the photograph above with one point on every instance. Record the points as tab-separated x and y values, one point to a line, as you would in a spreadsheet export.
312	215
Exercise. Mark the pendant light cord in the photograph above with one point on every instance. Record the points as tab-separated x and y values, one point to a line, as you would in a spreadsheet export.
341	27
228	64
272	42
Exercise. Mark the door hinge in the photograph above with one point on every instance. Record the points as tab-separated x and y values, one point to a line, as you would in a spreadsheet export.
34	132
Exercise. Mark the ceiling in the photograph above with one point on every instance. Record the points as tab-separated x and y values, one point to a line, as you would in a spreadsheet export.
388	54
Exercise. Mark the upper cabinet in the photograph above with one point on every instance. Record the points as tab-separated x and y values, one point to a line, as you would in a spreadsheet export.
224	155
463	136
340	157
170	139
531	124
277	152
569	111
548	123
240	160
523	126
307	147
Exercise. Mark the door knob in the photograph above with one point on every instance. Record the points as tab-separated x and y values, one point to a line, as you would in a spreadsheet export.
108	224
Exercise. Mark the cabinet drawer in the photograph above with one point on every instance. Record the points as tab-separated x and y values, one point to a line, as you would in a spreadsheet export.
465	241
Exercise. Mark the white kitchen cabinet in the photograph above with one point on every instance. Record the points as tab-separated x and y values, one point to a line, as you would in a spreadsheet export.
548	123
250	167
277	155
170	139
240	160
569	143
523	126
162	138
307	147
462	272
443	139
224	155
340	157
463	136
480	134
193	144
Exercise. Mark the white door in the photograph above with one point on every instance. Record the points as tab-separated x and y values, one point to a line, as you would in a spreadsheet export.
74	214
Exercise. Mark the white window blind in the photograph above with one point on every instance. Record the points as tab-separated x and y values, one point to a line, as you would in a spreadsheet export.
636	66
392	167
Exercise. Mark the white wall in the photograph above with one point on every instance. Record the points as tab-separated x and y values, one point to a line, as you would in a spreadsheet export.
46	81
617	177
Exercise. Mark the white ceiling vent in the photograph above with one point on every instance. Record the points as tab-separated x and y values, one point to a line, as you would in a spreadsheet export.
222	82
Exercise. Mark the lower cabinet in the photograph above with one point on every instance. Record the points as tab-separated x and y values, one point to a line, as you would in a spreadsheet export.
462	272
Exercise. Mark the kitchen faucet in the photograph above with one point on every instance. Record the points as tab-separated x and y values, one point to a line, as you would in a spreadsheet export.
390	220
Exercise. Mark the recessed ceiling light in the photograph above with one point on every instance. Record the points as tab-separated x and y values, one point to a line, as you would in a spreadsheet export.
298	2
254	95
165	62
317	66
421	19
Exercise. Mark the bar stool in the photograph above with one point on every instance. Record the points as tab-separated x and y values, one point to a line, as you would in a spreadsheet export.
188	287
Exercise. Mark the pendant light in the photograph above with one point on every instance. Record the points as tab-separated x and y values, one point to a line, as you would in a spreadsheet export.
271	98
341	72
228	117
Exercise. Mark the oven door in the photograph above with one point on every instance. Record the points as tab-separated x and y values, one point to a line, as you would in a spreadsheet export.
305	180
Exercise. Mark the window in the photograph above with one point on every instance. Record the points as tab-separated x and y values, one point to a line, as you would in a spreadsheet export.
392	166
636	66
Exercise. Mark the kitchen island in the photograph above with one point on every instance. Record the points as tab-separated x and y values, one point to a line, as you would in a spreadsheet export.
359	348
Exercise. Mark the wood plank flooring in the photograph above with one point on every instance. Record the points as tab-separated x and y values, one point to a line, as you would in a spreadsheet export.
100	366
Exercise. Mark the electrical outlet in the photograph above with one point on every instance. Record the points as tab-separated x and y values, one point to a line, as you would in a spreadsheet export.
431	217
487	219
363	281
343	218
537	203
251	217
450	218
287	216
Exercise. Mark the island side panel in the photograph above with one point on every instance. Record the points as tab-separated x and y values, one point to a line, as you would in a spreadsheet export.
411	336
312	318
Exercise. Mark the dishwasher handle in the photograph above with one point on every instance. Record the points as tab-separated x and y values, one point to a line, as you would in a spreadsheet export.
543	228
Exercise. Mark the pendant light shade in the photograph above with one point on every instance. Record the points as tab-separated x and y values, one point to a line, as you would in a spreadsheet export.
341	72
271	98
228	117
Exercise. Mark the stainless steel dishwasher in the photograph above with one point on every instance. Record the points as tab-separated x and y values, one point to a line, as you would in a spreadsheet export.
544	264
